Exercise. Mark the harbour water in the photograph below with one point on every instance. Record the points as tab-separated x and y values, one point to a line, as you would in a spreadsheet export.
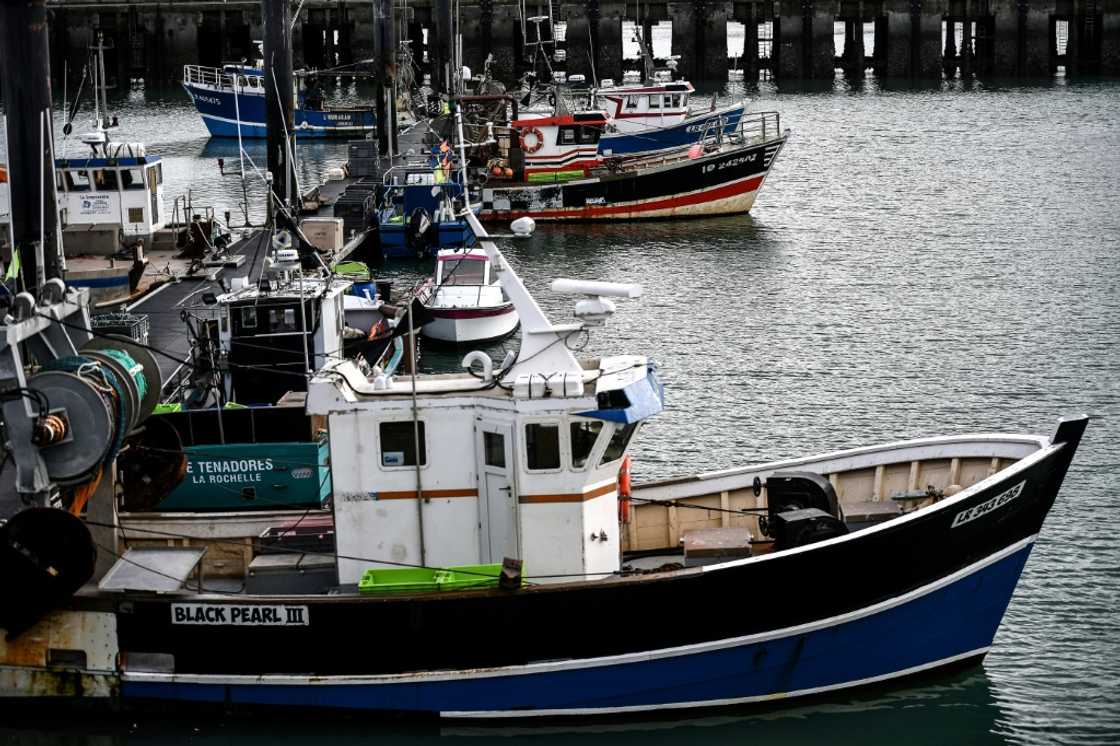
929	259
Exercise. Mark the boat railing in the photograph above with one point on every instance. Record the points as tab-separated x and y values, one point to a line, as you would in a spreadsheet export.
212	77
757	127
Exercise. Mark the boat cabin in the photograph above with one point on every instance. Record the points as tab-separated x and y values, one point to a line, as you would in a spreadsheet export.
637	108
120	191
556	148
271	339
519	461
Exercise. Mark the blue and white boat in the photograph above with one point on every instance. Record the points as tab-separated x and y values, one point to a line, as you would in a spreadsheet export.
656	117
481	522
231	101
419	212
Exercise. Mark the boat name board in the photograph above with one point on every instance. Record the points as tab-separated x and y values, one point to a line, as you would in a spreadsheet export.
701	126
95	204
976	511
265	615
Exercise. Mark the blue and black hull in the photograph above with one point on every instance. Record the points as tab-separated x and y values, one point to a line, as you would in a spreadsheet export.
225	114
922	592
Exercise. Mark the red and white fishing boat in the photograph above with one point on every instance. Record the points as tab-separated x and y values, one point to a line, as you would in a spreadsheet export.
552	168
466	300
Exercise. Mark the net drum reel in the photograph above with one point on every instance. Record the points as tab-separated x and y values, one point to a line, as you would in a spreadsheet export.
100	395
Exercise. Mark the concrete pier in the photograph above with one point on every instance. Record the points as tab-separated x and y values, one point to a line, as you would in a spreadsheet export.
153	40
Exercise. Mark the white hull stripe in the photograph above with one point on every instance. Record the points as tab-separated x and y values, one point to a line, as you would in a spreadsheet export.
695	704
297	129
603	661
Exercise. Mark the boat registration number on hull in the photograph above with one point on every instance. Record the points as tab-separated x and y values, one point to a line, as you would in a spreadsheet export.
976	511
266	615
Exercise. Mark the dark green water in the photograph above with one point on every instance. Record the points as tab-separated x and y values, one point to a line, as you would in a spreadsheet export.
923	260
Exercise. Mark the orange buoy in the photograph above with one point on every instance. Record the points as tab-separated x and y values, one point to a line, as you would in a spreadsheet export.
496	171
624	490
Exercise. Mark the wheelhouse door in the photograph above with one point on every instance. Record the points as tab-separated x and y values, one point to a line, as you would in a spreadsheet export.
497	496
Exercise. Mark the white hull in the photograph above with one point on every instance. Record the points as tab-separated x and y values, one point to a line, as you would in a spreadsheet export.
462	326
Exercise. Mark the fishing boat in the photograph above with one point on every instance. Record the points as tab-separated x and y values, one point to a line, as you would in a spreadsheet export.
231	100
466	300
551	168
479	520
418	212
656	117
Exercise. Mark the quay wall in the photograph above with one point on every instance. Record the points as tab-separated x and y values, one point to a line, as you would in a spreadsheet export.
785	38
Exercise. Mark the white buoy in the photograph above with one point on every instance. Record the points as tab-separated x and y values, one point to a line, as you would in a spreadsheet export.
523	227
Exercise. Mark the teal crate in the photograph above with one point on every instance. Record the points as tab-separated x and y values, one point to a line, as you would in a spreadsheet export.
252	476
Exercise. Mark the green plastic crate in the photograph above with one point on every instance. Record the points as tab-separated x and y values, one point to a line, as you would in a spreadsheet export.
465	577
393	580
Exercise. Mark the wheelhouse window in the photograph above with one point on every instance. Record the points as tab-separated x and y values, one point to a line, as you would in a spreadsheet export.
463	272
588	135
398	443
249	317
282	320
77	181
667	100
105	180
655	102
567	136
583	433
632	102
494	449
542	446
618	442
132	178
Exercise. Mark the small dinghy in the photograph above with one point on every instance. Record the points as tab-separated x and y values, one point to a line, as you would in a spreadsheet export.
466	300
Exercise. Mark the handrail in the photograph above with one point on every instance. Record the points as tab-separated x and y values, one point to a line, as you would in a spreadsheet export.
216	78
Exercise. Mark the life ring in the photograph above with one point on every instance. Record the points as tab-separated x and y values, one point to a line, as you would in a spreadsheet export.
535	144
624	490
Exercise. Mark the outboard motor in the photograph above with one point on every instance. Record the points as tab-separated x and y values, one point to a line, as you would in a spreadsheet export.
802	508
419	236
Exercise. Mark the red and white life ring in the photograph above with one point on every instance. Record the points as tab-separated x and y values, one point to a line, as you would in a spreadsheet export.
532	140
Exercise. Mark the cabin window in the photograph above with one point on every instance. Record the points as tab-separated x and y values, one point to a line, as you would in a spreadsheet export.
668	101
567	136
282	320
676	101
494	449
463	272
77	181
105	180
136	214
632	102
584	433
542	446
59	181
398	443
655	102
132	178
249	317
588	135
617	445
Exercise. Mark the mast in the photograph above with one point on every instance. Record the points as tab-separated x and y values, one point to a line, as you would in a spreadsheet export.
279	92
25	77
